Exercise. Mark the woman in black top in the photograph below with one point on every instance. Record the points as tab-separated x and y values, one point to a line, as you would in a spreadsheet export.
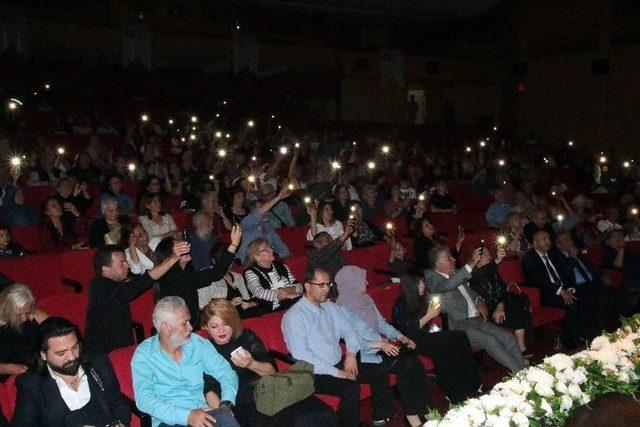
505	308
441	200
107	230
412	314
183	281
340	203
18	330
222	322
237	211
426	238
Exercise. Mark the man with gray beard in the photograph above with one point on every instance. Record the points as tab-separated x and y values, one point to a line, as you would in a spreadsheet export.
202	240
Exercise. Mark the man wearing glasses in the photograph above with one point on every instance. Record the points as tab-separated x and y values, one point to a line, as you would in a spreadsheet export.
312	329
280	214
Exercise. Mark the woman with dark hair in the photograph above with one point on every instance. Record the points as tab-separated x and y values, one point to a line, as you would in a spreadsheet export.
8	248
248	357
154	220
269	280
340	202
60	233
237	209
440	200
412	314
153	186
183	281
323	220
505	308
426	238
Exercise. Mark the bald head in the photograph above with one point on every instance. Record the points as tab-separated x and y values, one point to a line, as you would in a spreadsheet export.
542	241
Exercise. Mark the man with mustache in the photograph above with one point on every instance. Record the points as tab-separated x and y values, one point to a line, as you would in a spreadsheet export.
69	389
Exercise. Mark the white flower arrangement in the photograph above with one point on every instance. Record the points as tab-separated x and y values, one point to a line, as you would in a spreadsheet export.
547	393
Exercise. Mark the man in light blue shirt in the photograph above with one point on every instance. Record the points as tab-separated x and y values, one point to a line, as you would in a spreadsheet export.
280	213
498	211
168	372
312	329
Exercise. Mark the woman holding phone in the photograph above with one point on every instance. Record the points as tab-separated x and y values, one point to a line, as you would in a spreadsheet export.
413	313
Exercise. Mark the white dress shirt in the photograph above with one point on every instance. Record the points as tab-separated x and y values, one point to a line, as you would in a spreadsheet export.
546	256
74	399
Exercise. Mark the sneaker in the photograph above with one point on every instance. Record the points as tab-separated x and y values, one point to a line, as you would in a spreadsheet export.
527	354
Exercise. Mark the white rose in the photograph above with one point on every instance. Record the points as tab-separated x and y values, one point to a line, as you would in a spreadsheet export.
624	377
525	408
626	345
543	390
544	405
490	402
579	376
520	420
559	361
476	415
540	376
599	343
561	387
606	356
431	423
566	402
574	391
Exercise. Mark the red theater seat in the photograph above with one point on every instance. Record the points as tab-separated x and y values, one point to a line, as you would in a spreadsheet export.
141	311
72	307
27	237
8	392
42	273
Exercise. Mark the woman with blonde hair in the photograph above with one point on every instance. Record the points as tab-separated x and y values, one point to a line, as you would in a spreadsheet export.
249	358
18	330
269	280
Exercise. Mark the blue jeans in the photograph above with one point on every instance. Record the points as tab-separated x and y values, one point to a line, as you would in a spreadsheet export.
223	418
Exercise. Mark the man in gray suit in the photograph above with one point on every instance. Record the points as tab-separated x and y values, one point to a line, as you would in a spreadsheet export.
466	311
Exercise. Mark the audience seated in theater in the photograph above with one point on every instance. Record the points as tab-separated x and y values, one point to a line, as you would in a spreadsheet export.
154	220
480	184
256	224
539	222
505	308
312	330
370	205
362	236
14	213
513	230
222	322
440	200
610	221
542	269
72	191
322	220
107	229
427	238
370	327
232	288
152	185
108	315
618	256
202	240
341	203
327	252
19	320
184	281
399	265
499	209
238	210
8	248
280	214
61	232
210	205
173	394
139	249
396	206
70	388
413	313
269	280
113	188
466	310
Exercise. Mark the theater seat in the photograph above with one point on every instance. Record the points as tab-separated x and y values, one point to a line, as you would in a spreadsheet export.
72	307
141	311
9	393
42	273
28	237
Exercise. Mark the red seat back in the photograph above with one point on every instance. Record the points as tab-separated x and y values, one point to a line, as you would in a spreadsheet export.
28	237
72	307
142	309
182	219
297	265
296	239
385	298
121	361
511	272
42	273
9	393
78	266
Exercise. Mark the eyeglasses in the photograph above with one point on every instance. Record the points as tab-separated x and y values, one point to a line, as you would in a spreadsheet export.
323	285
268	248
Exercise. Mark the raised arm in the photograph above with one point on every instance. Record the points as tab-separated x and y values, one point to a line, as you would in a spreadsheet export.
266	207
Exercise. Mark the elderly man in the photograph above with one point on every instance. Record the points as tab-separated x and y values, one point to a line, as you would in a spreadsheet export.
168	372
280	214
467	311
542	267
202	240
70	389
539	222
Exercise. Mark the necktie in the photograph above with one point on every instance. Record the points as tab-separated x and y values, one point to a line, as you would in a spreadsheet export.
552	271
585	273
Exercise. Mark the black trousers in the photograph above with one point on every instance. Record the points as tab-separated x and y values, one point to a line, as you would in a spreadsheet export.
451	355
310	412
349	393
412	384
581	316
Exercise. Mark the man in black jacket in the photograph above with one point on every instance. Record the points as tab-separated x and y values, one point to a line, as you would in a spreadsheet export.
69	389
542	268
108	315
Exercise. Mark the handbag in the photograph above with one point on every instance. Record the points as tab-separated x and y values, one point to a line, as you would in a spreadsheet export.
275	392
